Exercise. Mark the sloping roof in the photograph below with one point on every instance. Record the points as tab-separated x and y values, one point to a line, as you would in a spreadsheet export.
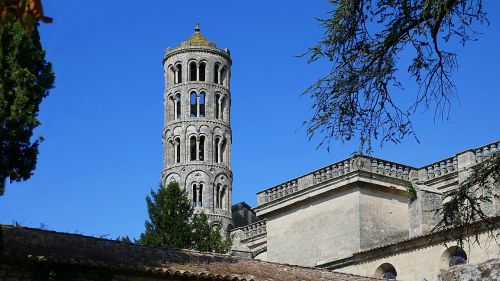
22	244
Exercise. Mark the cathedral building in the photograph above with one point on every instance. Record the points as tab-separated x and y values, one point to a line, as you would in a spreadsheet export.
353	216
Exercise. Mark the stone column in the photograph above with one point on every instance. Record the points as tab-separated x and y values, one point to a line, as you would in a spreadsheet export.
198	105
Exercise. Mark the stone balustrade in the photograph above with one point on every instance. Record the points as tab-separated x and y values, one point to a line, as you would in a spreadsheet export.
386	168
336	170
332	171
483	152
252	230
378	166
281	190
441	168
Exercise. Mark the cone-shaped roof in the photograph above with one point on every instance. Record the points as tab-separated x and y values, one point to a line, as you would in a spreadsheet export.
197	39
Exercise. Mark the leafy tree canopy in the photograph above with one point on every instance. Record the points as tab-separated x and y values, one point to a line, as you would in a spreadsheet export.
25	79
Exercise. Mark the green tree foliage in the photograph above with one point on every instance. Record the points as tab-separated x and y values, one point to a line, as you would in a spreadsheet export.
363	41
169	212
172	224
206	238
25	79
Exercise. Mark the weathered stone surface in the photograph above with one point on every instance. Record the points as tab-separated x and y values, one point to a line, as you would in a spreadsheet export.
485	271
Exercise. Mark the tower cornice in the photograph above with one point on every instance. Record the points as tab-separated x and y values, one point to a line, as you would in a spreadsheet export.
198	49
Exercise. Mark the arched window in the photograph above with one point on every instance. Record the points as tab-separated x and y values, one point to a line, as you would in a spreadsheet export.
201	149
216	150
222	106
202	71
453	256
223	76
222	152
172	110
202	104
200	195
386	271
193	104
223	197
192	148
217	196
216	73
179	73
195	197
171	77
217	106
192	71
177	150
178	107
459	257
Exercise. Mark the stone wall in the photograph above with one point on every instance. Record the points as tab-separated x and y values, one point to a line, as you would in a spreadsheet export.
383	215
327	227
414	260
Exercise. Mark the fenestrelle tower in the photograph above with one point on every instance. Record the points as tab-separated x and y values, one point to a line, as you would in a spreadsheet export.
197	133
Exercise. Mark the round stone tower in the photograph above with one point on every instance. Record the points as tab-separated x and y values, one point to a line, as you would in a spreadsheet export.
197	133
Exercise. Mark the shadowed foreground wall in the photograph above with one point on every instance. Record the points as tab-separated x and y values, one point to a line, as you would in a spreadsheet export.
29	254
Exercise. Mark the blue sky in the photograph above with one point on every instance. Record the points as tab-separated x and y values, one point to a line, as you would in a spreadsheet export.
102	123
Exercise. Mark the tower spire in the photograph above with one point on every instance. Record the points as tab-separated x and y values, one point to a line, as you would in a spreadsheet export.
197	28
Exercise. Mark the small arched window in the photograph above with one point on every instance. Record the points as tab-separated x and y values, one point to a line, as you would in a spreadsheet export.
172	103
177	150
178	107
216	150
222	108
179	73
200	195
202	70
386	271
201	149
217	106
193	70
195	195
223	198
457	257
216	73
217	196
193	104
171	77
202	104
223	76
222	152
192	148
